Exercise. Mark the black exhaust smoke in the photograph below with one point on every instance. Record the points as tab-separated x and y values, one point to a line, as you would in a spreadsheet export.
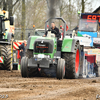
53	7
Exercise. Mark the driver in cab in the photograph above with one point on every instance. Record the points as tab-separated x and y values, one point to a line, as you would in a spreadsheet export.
53	30
87	27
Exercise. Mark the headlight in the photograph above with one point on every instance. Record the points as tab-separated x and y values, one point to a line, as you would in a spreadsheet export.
42	56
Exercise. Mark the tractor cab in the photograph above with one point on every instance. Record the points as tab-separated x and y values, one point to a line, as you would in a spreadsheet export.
61	25
88	28
39	32
4	36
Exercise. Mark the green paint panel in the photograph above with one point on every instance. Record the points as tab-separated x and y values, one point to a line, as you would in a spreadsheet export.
67	45
2	15
33	38
5	37
78	34
3	60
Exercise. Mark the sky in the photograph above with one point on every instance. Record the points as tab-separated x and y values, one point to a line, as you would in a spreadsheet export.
95	4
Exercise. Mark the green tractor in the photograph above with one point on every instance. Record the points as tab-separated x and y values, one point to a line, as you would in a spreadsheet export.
44	52
6	52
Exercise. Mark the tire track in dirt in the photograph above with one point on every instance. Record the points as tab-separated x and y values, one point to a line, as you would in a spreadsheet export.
9	90
58	92
43	88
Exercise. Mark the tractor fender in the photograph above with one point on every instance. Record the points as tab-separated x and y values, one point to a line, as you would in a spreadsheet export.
73	45
28	43
68	45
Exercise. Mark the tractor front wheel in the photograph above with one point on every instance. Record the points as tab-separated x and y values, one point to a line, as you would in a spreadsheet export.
24	68
60	69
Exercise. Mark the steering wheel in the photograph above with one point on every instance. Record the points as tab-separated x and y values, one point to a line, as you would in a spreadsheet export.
52	31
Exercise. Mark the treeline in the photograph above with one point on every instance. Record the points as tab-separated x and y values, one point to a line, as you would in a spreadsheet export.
35	12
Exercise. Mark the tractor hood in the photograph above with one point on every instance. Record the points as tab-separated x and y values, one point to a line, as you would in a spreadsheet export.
43	46
36	40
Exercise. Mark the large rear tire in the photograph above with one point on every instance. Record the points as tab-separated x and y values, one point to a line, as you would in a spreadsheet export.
72	63
61	69
5	51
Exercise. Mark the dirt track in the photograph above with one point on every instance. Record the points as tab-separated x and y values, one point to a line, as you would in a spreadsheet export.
40	88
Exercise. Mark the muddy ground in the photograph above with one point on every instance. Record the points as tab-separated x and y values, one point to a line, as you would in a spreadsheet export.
14	87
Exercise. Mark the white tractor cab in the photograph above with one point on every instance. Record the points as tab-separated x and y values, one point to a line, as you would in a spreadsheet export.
88	30
39	32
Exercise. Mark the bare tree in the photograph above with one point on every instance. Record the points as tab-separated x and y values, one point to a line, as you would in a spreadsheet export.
8	5
83	5
62	7
67	10
23	19
4	5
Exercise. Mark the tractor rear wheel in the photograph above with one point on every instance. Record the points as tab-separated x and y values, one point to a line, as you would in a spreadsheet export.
5	51
60	69
72	63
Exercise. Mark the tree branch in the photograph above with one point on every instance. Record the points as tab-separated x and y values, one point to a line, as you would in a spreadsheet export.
48	4
15	3
14	10
1	1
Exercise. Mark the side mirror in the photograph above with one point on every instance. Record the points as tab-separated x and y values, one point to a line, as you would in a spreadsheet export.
11	20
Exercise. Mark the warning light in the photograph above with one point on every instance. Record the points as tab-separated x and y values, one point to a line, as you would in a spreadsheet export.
4	11
4	34
33	26
47	26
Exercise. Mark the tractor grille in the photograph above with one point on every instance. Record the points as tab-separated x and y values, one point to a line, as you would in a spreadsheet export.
45	47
